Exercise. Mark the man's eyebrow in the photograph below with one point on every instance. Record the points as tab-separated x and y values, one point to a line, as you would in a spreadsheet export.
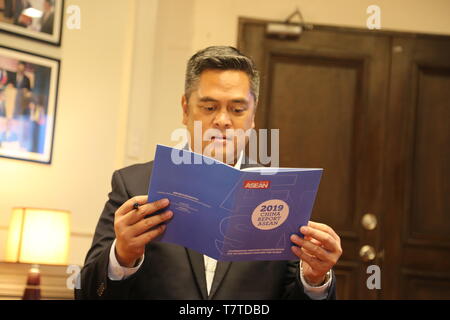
240	100
208	99
237	100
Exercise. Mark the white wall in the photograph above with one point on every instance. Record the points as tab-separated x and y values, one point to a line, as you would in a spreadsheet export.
121	83
216	20
90	130
159	70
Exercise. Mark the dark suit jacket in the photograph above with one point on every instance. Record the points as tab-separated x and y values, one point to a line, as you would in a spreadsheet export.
24	84
47	24
170	271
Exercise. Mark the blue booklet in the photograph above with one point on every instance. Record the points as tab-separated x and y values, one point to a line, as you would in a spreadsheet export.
230	214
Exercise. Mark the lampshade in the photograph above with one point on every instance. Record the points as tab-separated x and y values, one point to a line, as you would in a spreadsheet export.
38	236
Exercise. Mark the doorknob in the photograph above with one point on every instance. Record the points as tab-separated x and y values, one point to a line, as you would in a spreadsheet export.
367	253
369	221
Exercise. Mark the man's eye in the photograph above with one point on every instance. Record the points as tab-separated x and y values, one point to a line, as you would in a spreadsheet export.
209	108
238	110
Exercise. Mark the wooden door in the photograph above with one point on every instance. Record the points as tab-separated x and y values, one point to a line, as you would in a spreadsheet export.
417	209
349	101
327	94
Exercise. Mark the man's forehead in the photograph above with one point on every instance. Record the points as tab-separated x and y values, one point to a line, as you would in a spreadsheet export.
234	82
225	77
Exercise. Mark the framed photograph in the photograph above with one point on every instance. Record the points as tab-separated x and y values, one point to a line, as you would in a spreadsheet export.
35	19
28	98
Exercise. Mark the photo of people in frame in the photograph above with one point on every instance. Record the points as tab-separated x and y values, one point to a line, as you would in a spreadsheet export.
27	106
39	19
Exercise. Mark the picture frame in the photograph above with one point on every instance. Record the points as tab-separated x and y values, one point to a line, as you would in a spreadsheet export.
28	103
40	20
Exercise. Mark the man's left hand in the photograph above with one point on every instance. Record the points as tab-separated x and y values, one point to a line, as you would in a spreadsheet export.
320	251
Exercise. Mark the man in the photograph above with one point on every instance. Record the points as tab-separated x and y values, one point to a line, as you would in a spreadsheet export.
48	17
22	109
125	261
23	86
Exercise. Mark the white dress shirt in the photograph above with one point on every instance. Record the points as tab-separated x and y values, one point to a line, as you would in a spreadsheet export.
117	272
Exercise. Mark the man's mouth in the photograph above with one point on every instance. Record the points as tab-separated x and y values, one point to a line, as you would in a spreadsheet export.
221	138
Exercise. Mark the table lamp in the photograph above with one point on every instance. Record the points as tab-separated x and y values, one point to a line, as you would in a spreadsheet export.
38	236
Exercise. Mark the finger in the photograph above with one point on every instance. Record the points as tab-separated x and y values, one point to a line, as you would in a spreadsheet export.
150	235
325	228
297	251
311	260
313	249
149	223
138	214
315	264
128	205
312	240
309	254
305	238
326	240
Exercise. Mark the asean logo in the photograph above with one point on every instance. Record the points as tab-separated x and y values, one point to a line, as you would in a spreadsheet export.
256	184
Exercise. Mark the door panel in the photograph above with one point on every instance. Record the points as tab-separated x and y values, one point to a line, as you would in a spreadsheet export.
431	161
417	285
319	138
418	175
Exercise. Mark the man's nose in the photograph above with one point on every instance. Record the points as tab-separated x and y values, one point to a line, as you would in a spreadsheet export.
222	120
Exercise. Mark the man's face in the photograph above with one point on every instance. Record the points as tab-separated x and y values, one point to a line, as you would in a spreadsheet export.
222	101
20	68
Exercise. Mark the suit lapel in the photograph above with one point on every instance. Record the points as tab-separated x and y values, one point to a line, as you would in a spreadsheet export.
221	270
198	268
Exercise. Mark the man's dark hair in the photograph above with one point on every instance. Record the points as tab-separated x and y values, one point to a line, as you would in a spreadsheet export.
220	58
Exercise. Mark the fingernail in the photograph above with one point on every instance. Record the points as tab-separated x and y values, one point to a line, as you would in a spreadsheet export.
303	229
164	202
168	214
295	237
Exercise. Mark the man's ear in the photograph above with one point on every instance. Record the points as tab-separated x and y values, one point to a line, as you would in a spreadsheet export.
185	107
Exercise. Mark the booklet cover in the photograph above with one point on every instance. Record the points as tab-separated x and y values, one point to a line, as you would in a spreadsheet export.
230	214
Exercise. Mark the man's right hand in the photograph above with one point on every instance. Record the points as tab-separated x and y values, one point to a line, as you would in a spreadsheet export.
133	232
